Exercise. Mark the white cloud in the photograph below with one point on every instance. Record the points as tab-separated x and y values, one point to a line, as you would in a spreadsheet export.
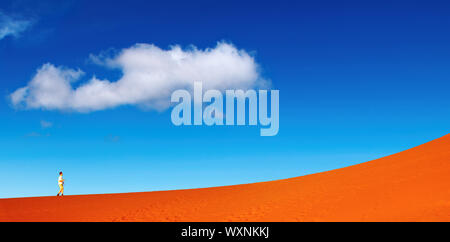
112	138
50	88
36	134
33	134
150	75
46	124
12	25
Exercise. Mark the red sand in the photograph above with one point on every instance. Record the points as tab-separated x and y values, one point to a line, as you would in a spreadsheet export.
413	185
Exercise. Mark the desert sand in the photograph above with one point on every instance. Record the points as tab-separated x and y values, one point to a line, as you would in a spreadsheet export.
413	185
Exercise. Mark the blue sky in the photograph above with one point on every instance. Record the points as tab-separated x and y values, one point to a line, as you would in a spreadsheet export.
357	80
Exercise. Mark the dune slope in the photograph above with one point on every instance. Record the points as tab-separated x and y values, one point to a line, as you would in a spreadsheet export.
413	185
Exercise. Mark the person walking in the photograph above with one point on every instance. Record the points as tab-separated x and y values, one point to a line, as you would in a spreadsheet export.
60	184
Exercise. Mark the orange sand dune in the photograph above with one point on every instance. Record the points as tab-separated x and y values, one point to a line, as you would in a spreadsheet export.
413	185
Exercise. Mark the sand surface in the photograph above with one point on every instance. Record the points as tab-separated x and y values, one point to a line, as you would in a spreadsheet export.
412	185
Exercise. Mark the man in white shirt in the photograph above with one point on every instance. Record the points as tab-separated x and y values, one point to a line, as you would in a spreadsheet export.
60	184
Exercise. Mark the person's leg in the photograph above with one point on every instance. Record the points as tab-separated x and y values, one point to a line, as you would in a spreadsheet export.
61	190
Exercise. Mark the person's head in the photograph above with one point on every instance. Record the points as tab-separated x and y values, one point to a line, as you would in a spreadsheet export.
60	173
